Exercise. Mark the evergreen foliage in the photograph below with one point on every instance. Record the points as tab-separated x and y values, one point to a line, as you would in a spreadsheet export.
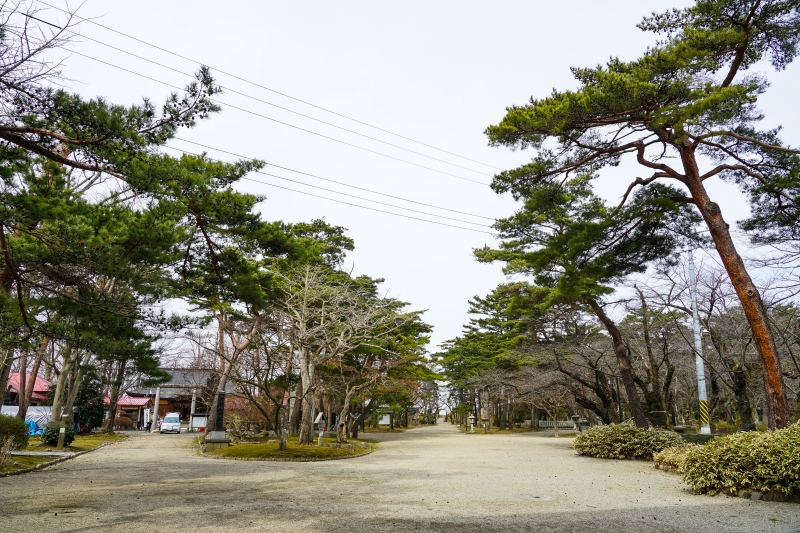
50	436
754	461
11	426
624	441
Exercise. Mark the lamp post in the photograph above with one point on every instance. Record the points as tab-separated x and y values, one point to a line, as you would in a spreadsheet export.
472	423
705	426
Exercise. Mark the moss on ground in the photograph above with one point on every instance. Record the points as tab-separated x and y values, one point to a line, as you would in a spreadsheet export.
20	462
269	450
80	444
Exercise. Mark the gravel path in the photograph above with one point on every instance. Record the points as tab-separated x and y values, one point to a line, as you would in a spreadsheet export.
427	479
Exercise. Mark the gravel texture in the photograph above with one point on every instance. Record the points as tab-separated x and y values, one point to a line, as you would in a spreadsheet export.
427	479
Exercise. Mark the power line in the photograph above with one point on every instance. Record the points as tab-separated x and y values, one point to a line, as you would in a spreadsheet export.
353	196
269	89
370	208
229	89
280	121
333	181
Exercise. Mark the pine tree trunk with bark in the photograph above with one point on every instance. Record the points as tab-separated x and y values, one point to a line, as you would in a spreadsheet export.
749	297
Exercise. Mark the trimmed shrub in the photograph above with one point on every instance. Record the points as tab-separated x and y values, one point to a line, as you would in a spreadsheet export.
50	436
673	457
11	426
624	441
123	422
759	462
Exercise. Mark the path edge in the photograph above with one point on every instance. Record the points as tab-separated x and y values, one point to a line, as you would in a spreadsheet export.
42	466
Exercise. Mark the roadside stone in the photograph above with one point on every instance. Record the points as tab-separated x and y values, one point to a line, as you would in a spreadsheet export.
767	497
743	494
755	495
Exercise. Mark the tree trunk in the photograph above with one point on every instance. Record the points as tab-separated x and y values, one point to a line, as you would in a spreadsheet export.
748	294
73	393
5	369
37	363
22	390
624	362
229	362
742	401
282	415
113	396
58	395
306	372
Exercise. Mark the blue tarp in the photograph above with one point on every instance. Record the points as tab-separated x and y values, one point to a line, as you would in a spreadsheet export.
33	429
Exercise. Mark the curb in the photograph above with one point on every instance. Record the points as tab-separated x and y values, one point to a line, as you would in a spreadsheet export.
286	460
42	466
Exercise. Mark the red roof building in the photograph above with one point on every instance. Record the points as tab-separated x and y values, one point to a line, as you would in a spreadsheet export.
127	401
40	388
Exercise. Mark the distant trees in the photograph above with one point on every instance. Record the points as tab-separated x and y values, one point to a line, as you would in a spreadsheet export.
574	356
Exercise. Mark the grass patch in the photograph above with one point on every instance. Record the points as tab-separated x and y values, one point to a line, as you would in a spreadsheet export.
80	444
20	462
385	429
269	450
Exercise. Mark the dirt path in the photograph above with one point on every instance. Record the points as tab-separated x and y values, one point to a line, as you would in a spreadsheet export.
427	479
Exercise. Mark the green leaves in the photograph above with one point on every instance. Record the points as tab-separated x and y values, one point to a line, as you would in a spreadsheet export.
763	462
624	441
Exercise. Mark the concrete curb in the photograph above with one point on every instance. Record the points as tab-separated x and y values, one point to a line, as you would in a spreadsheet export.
286	460
42	466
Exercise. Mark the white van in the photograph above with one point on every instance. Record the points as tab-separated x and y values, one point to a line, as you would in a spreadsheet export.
171	423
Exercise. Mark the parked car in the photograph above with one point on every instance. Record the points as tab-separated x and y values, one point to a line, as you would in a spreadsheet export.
171	423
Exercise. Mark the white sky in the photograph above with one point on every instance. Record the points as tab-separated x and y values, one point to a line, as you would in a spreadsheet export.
437	72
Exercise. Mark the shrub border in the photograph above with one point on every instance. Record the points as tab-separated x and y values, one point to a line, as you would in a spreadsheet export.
746	494
42	466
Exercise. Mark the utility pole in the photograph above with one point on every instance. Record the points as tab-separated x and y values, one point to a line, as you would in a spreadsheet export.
154	425
705	426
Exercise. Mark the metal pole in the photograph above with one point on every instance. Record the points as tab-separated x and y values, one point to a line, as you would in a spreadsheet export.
153	426
705	427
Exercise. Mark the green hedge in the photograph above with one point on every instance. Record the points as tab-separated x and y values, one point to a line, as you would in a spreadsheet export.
50	436
11	426
753	461
624	441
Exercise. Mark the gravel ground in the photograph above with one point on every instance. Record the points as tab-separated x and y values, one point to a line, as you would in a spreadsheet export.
427	479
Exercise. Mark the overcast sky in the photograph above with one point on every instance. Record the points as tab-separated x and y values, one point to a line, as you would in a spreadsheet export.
435	72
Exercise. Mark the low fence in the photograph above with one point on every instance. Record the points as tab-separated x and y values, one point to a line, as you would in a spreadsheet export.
562	424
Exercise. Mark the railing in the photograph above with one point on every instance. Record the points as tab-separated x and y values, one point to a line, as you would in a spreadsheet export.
562	424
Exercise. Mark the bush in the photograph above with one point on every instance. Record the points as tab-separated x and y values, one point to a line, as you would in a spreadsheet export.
123	422
624	441
673	457
50	436
759	462
697	438
11	426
